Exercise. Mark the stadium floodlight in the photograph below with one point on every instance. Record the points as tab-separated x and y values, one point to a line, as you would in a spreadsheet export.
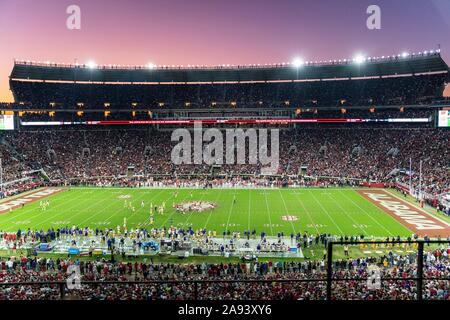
91	64
150	66
405	54
359	59
297	62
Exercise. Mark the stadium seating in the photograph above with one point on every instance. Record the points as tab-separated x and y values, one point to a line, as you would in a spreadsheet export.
310	155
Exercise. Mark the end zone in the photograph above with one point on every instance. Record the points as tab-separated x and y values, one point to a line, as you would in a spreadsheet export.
30	197
417	220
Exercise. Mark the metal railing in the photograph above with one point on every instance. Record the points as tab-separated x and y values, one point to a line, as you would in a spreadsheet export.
420	266
329	279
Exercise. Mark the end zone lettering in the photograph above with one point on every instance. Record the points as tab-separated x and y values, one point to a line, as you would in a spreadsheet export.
410	216
31	197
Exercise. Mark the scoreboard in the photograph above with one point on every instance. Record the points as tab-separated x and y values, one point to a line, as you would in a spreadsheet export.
444	118
6	122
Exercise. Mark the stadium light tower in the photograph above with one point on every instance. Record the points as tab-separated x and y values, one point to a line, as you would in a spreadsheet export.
298	62
91	64
150	66
359	59
405	54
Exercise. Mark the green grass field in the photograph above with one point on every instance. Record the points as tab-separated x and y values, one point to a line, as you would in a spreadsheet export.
335	211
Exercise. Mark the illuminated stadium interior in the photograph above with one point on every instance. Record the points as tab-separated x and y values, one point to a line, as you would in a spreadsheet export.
362	180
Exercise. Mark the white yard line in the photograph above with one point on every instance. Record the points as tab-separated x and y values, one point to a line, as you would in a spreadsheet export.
211	212
138	200
348	215
307	213
15	216
249	206
189	217
287	211
368	214
229	213
171	215
326	212
268	212
101	211
76	214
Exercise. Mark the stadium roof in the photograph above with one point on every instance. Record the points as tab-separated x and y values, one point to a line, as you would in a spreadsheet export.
372	67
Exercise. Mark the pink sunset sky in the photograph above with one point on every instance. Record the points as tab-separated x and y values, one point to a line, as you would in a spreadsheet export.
215	32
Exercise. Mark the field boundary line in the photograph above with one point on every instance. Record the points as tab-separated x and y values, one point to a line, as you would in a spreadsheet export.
228	188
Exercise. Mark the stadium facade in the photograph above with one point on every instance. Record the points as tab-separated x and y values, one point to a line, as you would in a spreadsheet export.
286	91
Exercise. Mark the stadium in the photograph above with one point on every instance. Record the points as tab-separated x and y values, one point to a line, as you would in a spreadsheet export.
87	171
318	180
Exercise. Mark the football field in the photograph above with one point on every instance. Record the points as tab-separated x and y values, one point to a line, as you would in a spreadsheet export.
335	211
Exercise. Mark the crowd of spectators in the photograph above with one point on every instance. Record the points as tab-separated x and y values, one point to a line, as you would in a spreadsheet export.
279	279
318	156
106	156
387	91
